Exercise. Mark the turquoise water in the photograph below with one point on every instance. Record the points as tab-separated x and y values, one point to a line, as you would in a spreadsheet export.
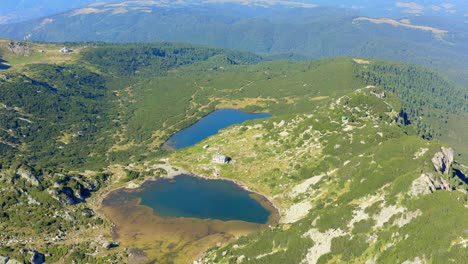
194	197
210	125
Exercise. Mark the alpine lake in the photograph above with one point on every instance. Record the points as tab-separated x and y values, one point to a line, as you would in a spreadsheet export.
175	219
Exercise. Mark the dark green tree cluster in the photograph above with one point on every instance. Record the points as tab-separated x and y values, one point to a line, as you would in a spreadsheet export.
424	93
50	102
157	58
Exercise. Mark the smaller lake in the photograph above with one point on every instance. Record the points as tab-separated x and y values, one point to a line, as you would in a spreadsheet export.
210	125
195	197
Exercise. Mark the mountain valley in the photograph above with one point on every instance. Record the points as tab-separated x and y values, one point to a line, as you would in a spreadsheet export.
365	159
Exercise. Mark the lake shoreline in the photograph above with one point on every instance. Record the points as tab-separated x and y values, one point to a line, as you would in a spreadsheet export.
225	117
173	172
236	228
259	197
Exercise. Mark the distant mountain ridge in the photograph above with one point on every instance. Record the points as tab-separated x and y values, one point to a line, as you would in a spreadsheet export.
13	11
21	10
265	27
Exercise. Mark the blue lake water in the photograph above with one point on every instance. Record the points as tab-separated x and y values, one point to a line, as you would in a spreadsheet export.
194	197
210	125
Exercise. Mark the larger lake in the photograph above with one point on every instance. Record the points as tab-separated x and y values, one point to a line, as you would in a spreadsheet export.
195	197
174	220
210	125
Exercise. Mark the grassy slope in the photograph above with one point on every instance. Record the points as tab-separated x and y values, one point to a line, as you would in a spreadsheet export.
363	167
282	87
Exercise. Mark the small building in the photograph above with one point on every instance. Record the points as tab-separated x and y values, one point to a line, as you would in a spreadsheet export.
65	50
206	146
221	159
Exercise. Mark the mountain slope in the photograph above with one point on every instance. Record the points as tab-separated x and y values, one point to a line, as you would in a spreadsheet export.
351	189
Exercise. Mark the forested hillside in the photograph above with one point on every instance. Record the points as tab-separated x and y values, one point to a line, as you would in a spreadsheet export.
58	111
425	94
158	59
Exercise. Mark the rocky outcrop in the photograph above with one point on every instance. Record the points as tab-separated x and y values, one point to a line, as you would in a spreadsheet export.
28	176
421	185
443	160
14	261
36	258
68	196
20	48
4	260
296	212
322	243
70	190
429	183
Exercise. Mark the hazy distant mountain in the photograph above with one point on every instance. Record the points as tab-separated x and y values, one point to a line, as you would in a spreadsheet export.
291	29
400	8
20	10
13	11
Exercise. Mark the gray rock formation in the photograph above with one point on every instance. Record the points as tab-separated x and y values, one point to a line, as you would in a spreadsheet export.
421	186
69	196
14	261
429	183
4	260
19	48
28	176
443	160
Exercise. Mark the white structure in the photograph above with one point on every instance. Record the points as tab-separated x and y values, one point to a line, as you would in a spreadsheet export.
65	50
221	159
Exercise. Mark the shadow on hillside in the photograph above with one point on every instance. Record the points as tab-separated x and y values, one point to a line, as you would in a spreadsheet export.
461	175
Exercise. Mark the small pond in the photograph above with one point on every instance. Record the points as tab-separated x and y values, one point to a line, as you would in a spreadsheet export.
210	125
